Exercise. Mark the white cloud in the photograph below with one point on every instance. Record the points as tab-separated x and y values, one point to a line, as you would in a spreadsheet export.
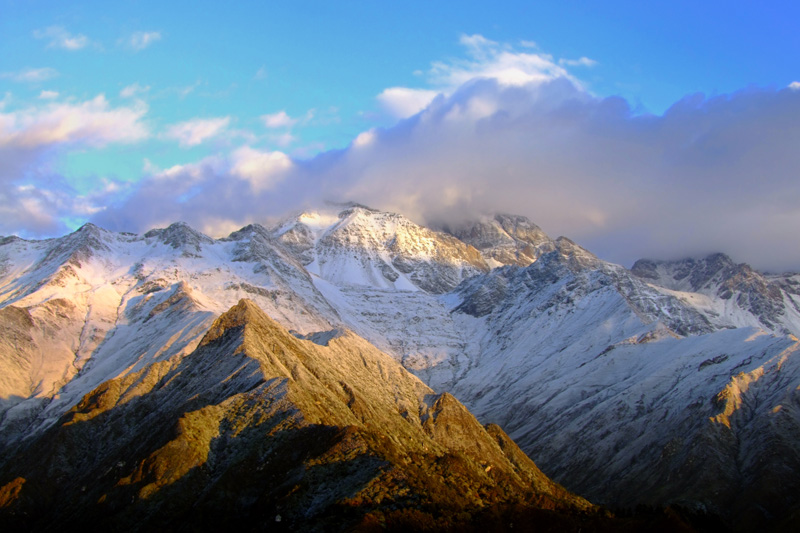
133	89
91	123
365	138
488	59
278	120
214	194
507	67
194	132
262	169
31	75
402	102
715	174
142	39
48	95
60	38
711	174
795	86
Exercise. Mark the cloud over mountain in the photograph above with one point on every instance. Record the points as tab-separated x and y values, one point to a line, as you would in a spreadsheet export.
32	141
710	174
499	130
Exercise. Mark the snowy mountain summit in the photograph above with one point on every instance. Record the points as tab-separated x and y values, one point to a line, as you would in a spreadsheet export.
617	382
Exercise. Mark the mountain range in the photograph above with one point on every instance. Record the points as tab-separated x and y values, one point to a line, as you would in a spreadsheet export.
139	367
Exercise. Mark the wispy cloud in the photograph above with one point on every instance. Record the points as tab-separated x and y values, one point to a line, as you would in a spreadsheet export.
185	91
134	89
795	86
581	62
284	139
48	95
58	37
142	39
31	75
197	131
278	120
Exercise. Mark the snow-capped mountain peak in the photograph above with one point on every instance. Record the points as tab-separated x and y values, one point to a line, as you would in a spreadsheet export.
729	294
180	236
534	333
365	247
505	239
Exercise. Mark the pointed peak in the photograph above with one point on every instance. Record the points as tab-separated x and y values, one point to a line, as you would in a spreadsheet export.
180	235
505	219
89	231
89	227
719	259
568	246
349	207
247	231
646	269
366	212
244	313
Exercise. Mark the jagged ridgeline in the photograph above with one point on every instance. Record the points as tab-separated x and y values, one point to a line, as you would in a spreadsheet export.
675	382
259	428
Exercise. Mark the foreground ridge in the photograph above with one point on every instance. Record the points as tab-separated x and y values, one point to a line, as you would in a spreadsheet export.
262	428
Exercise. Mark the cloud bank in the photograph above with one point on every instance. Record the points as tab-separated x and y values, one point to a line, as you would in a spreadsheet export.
710	174
500	131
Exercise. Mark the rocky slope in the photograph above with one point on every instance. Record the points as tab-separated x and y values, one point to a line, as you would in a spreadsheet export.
728	294
613	380
257	428
505	239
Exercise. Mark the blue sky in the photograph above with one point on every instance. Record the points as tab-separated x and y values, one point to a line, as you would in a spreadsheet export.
110	107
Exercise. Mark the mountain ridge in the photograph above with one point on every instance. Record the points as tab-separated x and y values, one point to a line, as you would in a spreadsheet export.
543	349
252	394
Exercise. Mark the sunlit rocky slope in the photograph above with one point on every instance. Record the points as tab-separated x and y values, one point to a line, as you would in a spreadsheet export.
258	428
618	383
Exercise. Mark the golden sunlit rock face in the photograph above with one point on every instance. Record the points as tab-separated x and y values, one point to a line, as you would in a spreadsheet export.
257	426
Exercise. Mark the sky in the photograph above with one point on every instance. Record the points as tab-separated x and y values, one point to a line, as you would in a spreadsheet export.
637	129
